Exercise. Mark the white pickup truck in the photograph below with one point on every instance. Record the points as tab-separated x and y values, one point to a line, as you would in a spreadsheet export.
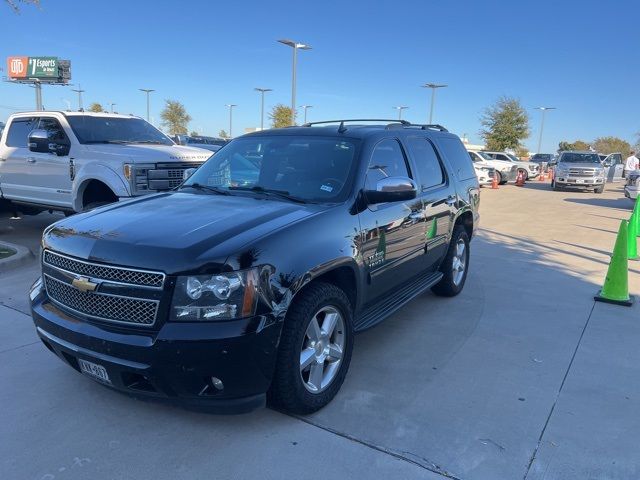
75	161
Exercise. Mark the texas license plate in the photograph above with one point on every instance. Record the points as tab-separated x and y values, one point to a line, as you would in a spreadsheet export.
94	370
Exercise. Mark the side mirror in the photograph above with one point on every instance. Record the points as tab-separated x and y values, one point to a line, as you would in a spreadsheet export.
40	141
392	189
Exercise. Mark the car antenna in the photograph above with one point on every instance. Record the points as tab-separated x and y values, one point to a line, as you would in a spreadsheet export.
342	128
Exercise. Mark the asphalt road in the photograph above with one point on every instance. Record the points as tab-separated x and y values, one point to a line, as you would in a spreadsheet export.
522	376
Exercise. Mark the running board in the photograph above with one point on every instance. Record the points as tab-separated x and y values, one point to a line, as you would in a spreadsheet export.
374	314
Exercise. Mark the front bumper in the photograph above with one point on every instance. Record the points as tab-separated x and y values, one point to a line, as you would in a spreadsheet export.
578	182
176	362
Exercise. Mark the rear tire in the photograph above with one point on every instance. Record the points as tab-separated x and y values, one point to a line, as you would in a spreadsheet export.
293	389
455	265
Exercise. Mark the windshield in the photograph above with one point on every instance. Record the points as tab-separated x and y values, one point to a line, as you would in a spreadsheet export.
308	168
95	129
580	158
484	155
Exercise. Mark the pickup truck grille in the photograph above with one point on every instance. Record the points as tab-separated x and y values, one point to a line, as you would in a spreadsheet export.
582	172
168	175
103	272
101	306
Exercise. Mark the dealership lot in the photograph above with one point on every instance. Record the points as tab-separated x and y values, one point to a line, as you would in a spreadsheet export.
521	376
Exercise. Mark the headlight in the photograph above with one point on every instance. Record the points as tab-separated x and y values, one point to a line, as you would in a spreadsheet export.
208	298
599	172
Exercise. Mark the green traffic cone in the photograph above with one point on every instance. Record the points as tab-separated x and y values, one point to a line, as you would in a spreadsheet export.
632	240
433	230
635	216
616	284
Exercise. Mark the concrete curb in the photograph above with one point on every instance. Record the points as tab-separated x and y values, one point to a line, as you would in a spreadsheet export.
22	256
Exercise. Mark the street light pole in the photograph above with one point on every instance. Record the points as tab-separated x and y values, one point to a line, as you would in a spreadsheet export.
305	111
296	46
147	91
80	92
231	105
544	111
433	87
400	108
112	104
262	90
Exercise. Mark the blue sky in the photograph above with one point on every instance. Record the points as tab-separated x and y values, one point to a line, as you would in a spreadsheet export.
579	56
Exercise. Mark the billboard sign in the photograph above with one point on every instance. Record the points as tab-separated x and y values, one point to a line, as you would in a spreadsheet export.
33	67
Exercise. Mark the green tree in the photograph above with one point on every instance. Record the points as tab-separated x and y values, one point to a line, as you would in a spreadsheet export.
194	134
96	107
223	134
506	124
175	117
577	145
609	145
281	116
522	152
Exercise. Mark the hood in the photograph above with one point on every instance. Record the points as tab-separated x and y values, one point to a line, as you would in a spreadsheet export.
568	165
173	232
137	153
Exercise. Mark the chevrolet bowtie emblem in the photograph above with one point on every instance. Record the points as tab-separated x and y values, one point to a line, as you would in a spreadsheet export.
84	284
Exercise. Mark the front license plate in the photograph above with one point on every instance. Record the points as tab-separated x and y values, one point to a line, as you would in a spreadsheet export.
94	370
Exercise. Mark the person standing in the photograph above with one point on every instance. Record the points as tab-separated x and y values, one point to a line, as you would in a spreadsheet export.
631	163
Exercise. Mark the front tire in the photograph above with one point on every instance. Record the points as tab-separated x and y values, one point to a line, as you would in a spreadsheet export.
525	174
600	189
455	265
315	350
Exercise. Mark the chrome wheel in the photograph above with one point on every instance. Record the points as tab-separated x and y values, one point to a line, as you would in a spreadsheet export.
322	348
459	263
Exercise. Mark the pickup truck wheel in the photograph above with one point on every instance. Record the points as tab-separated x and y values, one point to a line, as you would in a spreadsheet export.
525	174
315	350
455	265
600	189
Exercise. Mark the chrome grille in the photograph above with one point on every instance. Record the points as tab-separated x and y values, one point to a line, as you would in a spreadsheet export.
102	306
582	172
103	272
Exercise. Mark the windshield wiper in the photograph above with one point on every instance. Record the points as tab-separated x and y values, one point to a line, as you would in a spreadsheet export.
268	191
206	188
154	142
115	142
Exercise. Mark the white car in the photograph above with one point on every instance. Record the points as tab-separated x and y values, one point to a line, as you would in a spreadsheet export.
76	161
530	170
504	171
484	171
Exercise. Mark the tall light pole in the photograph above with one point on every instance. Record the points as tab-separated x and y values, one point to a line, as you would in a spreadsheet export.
305	111
80	92
231	105
112	104
262	90
147	91
400	108
296	46
433	87
544	111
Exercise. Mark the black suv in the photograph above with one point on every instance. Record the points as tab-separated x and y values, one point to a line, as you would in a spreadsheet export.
249	281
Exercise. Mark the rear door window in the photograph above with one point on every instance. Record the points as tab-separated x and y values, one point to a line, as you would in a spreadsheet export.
19	131
427	163
457	155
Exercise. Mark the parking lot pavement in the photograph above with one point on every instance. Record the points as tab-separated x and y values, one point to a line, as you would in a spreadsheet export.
521	376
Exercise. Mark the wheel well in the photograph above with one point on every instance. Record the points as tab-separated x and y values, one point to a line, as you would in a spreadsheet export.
96	191
345	279
466	220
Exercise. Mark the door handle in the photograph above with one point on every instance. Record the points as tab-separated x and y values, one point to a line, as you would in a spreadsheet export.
451	200
31	160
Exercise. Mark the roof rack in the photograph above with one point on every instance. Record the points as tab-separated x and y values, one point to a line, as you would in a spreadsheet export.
393	123
341	122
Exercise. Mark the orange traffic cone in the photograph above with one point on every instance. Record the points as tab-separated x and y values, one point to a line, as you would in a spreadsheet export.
494	182
520	180
541	177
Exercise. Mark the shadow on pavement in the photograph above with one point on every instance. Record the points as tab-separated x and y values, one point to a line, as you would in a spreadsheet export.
621	203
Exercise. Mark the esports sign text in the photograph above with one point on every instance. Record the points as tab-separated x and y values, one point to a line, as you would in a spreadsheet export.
42	68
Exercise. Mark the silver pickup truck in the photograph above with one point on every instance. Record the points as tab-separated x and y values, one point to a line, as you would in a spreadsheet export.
579	170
